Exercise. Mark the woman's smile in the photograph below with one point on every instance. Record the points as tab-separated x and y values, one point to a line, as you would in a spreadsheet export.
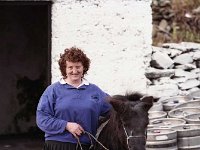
74	71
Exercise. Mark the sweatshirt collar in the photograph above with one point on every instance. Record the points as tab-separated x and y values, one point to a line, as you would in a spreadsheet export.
84	82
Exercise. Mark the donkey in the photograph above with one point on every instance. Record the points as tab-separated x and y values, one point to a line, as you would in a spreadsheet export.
126	127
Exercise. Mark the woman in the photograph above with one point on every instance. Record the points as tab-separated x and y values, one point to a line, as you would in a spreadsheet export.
71	106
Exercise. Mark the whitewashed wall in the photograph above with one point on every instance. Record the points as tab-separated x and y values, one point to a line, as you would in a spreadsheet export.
115	34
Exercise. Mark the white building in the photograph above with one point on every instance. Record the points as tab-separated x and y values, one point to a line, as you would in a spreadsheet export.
115	34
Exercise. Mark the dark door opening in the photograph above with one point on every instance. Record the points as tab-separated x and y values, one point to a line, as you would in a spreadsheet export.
25	59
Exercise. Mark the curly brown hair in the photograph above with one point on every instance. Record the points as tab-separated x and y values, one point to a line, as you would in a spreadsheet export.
73	54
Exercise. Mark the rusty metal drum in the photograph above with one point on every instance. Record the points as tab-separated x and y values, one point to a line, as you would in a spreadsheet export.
188	136
161	139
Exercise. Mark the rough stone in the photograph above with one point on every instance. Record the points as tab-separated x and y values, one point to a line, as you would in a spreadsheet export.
187	74
196	55
177	46
189	84
161	60
163	90
183	59
152	73
186	66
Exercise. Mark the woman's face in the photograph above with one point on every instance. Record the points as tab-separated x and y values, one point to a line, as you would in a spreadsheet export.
74	71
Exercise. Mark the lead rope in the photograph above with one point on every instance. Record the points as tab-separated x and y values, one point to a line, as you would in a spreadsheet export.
89	135
78	144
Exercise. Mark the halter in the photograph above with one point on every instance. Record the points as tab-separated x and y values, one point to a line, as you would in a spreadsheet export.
130	136
127	137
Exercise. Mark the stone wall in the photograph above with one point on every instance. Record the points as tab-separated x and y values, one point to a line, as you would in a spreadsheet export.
174	69
115	34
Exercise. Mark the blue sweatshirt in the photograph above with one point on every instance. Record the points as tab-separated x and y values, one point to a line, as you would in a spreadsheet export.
61	103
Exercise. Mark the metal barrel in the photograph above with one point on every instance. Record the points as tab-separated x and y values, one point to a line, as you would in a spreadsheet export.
194	103
192	118
161	139
166	122
195	94
182	112
157	106
170	103
157	115
188	136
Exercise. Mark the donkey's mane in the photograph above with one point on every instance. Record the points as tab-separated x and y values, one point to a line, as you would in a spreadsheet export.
134	96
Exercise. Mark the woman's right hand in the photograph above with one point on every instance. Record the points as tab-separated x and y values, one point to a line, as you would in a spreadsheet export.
74	128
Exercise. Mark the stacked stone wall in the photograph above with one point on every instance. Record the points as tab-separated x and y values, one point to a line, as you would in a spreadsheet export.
174	69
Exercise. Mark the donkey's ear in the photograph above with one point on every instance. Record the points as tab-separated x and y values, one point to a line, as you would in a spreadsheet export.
147	101
117	103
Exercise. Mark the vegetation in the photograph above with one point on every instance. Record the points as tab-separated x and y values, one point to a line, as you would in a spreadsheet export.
185	24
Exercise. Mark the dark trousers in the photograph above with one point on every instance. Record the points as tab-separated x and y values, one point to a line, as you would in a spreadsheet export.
56	145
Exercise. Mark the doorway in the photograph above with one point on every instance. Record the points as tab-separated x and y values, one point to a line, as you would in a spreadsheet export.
25	62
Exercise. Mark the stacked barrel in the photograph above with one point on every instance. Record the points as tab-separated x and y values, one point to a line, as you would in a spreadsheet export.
174	123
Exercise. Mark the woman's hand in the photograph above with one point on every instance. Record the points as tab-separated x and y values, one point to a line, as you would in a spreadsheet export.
74	128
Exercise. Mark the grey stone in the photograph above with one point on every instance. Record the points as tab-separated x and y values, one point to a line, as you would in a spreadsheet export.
161	60
190	45
174	52
175	46
163	80
196	70
164	90
163	25
196	55
183	59
152	73
180	79
183	46
160	49
187	74
189	84
193	89
186	66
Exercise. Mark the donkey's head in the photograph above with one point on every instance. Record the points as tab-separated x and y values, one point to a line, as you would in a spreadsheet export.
132	110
